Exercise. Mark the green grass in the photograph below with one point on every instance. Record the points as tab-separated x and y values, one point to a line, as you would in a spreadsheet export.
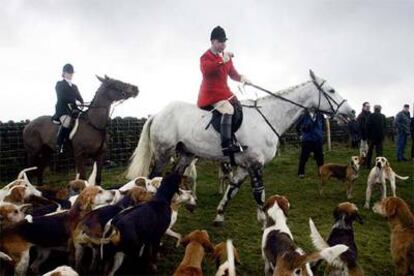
372	238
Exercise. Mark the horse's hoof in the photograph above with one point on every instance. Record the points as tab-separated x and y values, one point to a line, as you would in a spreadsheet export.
219	220
218	223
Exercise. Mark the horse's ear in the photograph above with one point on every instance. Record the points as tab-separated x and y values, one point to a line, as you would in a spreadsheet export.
100	78
312	75
106	77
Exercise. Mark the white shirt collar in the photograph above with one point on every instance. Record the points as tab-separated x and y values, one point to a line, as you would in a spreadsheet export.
68	81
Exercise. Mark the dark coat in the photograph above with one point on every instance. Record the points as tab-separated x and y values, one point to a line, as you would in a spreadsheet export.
66	98
402	123
311	130
362	122
354	129
412	127
376	125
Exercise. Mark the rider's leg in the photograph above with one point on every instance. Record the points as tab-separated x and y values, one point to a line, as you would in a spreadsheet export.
64	132
227	111
230	192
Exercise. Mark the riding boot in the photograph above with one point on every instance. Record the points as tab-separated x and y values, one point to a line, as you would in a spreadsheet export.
63	136
227	144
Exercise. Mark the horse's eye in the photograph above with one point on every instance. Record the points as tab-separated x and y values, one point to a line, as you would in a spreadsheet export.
332	91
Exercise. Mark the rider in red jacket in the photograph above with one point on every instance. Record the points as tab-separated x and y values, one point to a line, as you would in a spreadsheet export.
216	65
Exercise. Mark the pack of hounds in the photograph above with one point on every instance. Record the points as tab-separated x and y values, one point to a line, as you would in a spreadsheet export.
98	229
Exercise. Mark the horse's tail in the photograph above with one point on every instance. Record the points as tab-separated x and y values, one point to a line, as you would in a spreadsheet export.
142	156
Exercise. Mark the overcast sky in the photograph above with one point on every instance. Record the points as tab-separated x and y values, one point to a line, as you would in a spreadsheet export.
364	49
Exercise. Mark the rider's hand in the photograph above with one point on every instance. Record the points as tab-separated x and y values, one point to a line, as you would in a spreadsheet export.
227	56
245	80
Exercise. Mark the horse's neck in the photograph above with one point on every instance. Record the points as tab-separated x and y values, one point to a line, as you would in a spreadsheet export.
282	114
98	112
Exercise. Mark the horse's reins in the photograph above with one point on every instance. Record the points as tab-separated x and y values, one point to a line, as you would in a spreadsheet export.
328	98
90	106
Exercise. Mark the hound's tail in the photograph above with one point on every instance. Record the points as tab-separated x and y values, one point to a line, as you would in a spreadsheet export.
110	234
4	256
401	177
318	242
22	173
228	267
92	177
142	156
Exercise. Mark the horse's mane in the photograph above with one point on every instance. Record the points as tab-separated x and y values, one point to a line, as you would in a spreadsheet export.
282	92
100	88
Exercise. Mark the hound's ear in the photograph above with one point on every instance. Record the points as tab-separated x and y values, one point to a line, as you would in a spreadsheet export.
390	208
26	208
359	219
312	75
17	194
100	79
337	214
207	245
185	241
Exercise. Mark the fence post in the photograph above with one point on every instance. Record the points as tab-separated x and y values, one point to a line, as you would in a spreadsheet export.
328	133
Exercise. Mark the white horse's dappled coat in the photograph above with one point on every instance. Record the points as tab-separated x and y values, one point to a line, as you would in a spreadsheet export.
183	122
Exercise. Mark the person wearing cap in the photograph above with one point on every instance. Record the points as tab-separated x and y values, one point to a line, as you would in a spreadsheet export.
216	65
67	94
375	126
402	125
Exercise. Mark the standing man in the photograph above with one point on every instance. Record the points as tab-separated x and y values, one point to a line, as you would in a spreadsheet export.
402	125
362	121
216	65
412	136
67	94
310	126
375	127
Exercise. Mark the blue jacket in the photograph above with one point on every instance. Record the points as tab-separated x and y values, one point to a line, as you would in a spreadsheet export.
311	130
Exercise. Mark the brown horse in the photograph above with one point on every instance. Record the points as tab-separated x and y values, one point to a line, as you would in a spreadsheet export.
39	136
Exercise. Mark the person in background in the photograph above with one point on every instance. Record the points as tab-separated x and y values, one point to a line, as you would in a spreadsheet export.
354	132
375	128
67	95
362	122
402	125
310	126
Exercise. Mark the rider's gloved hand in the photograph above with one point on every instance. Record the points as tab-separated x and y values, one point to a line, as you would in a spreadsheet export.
245	80
226	56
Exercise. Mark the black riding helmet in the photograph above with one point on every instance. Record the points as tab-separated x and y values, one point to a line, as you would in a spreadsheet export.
68	68
219	34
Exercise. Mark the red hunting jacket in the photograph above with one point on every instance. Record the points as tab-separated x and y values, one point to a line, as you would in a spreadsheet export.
214	86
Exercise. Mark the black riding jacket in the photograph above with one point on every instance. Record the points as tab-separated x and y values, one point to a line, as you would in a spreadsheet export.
66	98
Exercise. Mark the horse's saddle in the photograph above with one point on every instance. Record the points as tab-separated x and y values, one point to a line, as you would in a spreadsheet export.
237	118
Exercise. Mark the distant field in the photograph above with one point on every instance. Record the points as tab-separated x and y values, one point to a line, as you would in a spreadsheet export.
280	178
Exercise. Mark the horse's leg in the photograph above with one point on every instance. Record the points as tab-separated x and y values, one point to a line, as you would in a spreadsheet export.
230	192
161	160
99	162
80	166
258	189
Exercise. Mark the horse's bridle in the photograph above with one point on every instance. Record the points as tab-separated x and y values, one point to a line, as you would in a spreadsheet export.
331	101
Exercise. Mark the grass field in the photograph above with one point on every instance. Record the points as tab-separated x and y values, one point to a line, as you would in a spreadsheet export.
280	178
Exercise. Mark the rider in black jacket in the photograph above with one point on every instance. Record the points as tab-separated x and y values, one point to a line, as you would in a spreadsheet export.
67	94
